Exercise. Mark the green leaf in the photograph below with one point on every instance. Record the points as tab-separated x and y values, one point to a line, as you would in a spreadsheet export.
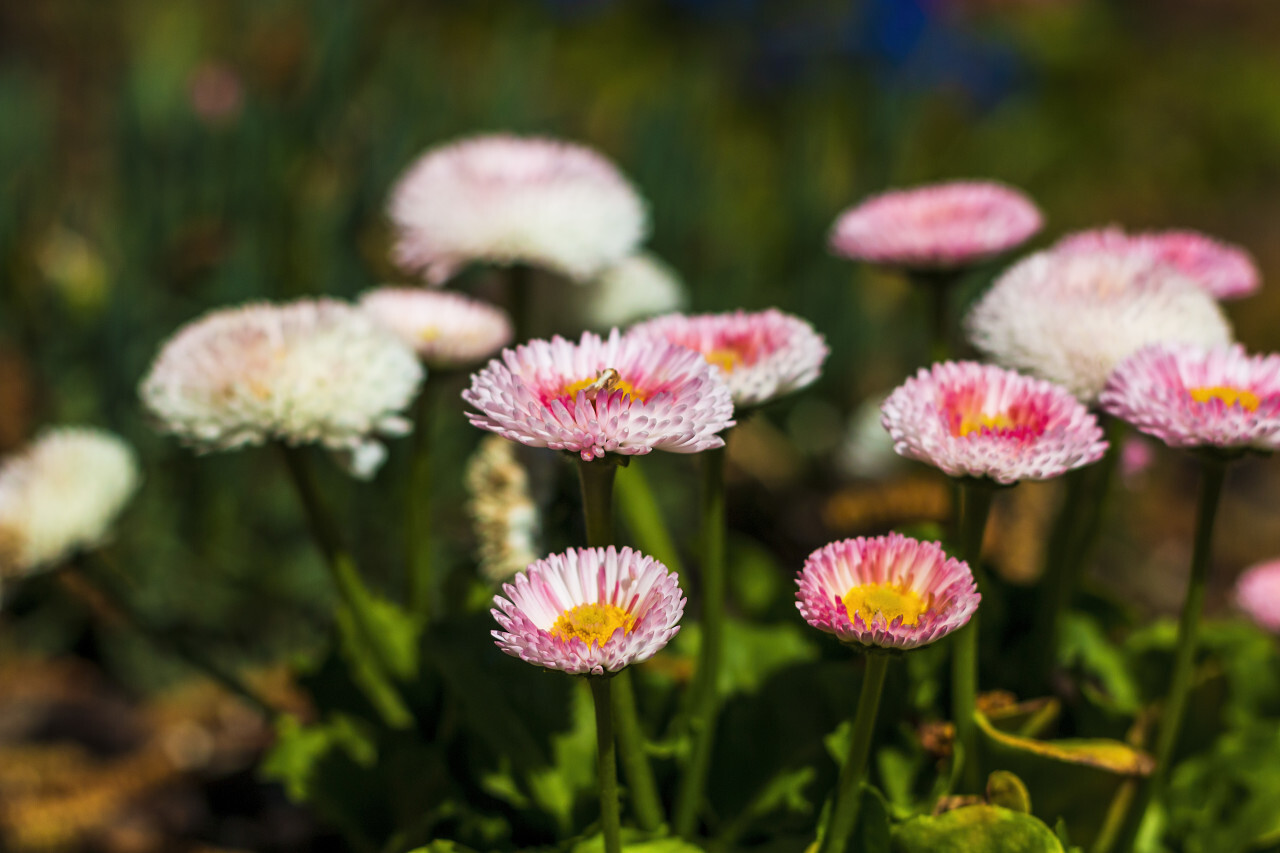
298	750
595	844
443	847
976	829
1072	779
1085	645
871	834
572	775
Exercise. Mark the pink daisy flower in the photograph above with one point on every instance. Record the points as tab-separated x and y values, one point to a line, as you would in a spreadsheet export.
589	611
1225	271
1187	396
1257	593
761	355
940	226
890	591
979	420
445	329
506	200
1072	316
621	394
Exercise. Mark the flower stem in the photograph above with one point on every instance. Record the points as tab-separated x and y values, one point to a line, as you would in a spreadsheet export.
975	506
357	624
596	479
1070	545
606	764
418	503
170	641
710	652
1215	471
937	287
844	813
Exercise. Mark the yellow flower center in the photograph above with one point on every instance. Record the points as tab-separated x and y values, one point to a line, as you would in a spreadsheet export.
884	599
726	358
1229	396
427	334
594	624
605	381
977	421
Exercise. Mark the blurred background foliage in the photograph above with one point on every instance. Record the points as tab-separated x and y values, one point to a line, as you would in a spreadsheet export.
158	159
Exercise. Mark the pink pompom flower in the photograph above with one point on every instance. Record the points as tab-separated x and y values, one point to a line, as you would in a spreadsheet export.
940	226
761	355
589	611
445	329
508	199
621	394
1257	594
979	420
1223	270
888	592
1188	396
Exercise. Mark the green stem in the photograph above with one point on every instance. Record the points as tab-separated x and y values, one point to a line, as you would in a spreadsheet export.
356	623
606	765
1215	470
418	504
596	479
975	506
843	816
175	644
1070	546
711	650
938	287
643	517
519	283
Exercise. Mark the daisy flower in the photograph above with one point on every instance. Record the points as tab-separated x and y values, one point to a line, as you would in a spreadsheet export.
61	494
1225	271
626	395
589	611
940	226
1071	316
1257	594
1187	396
445	329
508	199
307	371
761	355
888	592
979	420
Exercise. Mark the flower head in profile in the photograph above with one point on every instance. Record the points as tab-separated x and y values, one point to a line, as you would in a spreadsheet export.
61	494
621	394
940	226
761	354
589	611
1257	594
508	199
1071	316
1188	396
979	420
504	515
888	592
1225	271
445	329
309	371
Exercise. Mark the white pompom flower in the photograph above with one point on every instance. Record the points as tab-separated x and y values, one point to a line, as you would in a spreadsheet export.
506	199
61	494
311	371
1071	316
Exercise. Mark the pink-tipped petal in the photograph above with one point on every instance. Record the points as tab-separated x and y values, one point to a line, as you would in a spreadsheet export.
1188	396
445	329
942	587
1223	270
761	355
639	587
979	420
